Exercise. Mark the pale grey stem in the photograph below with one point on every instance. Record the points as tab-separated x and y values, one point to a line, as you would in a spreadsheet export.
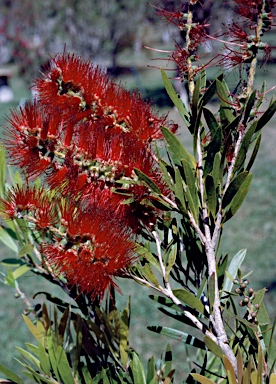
209	244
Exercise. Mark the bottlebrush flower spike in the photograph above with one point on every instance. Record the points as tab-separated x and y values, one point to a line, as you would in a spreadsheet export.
80	91
93	250
34	204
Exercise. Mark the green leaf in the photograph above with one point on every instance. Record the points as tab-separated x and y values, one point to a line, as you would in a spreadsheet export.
268	114
2	171
195	99
28	356
147	181
179	189
175	98
137	370
123	334
10	375
52	355
20	271
213	347
177	148
166	174
213	149
189	299
211	91
44	360
249	105
7	240
211	195
211	290
244	147
178	335
151	370
233	188
226	108
149	275
27	248
64	367
201	379
10	280
254	152
12	262
216	172
170	260
87	377
164	301
211	121
145	253
234	265
238	198
168	361
190	178
37	330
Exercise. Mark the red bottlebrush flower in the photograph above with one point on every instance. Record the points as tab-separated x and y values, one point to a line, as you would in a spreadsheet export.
27	139
250	9
98	249
237	34
80	91
31	201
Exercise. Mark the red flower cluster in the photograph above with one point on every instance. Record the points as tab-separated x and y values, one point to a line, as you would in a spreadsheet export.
85	135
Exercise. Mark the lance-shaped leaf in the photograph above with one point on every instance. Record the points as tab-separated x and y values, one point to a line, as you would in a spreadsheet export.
234	265
137	370
179	190
6	239
164	301
249	106
244	147
179	316
51	346
211	121
190	178
226	107
123	334
233	188
175	98
201	379
213	347
151	371
178	335
175	146
211	91
20	271
27	248
64	367
28	356
147	181
166	174
217	170
211	195
37	330
268	114
149	275
170	260
211	291
238	198
254	152
144	252
189	299
261	96
213	148
10	375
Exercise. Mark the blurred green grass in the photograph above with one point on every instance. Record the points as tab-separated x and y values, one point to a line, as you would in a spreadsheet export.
254	228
